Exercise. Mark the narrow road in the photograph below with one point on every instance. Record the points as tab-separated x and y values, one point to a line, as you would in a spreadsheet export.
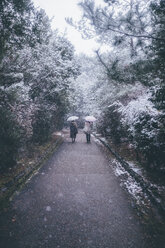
75	201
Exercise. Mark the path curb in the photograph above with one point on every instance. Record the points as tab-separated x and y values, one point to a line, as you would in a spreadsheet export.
146	186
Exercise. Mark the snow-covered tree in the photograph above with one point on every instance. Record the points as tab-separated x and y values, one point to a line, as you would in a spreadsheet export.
36	68
49	82
131	75
82	93
125	24
158	53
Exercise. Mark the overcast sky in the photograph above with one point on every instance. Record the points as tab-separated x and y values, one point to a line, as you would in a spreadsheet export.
61	9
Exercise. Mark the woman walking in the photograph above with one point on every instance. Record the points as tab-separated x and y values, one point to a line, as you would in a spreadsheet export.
88	130
73	131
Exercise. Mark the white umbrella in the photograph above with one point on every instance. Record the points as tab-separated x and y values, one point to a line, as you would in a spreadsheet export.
72	118
90	118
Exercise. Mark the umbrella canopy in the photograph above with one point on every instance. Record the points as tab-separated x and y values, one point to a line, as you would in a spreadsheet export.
72	118
90	118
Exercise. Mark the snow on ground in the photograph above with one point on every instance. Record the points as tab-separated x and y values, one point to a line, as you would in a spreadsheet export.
135	168
140	198
128	182
48	209
97	141
58	133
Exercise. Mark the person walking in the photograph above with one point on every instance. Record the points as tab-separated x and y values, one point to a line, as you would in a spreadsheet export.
88	130
73	131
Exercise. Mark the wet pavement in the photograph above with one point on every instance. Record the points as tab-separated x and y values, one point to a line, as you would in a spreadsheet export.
75	201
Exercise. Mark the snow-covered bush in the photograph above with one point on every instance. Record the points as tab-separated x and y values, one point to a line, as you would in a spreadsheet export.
149	139
145	129
135	120
110	123
134	108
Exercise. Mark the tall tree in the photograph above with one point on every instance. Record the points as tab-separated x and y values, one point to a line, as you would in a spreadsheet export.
158	48
117	22
36	67
14	24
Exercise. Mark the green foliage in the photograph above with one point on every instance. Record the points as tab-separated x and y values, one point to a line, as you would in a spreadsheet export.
158	48
158	44
41	126
146	134
110	124
21	24
159	98
14	18
10	136
49	87
149	139
36	67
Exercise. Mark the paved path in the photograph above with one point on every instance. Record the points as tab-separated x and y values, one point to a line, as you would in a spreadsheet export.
75	201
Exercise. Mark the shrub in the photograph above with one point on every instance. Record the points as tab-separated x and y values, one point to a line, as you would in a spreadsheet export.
41	126
110	123
149	139
10	139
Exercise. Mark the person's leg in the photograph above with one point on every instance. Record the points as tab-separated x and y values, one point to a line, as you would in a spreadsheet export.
89	138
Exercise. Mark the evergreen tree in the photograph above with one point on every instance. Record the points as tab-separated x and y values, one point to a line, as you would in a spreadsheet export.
36	67
15	23
158	48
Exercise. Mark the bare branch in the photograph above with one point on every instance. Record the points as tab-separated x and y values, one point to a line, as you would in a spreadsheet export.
102	62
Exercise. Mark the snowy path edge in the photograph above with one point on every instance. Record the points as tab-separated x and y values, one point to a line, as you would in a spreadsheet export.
146	186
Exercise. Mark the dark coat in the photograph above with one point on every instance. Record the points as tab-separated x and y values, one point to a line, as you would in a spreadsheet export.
73	130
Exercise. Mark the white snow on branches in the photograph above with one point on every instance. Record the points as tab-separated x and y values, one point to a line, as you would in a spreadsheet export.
132	112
